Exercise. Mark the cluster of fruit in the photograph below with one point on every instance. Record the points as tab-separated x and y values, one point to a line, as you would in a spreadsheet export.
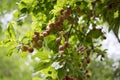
37	38
37	41
58	25
26	48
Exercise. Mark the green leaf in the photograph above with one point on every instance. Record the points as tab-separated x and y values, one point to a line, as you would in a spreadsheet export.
43	55
9	52
42	65
71	68
50	41
10	31
23	10
61	73
83	4
116	14
50	72
16	14
95	33
116	26
7	43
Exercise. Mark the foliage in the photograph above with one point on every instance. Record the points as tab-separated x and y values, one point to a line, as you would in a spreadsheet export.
64	35
7	5
13	67
104	70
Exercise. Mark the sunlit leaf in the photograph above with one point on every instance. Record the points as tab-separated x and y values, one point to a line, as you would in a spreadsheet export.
42	65
10	31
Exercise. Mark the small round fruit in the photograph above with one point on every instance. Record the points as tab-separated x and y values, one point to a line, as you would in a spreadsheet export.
88	60
45	34
61	48
30	49
24	48
36	33
88	76
48	31
51	25
35	38
67	13
86	71
61	11
58	23
58	40
66	44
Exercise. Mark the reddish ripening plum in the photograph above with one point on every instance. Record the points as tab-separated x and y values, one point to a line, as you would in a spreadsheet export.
88	76
61	48
51	25
30	49
48	31
24	48
86	71
58	23
61	11
45	34
36	33
67	13
58	40
35	38
88	60
66	44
